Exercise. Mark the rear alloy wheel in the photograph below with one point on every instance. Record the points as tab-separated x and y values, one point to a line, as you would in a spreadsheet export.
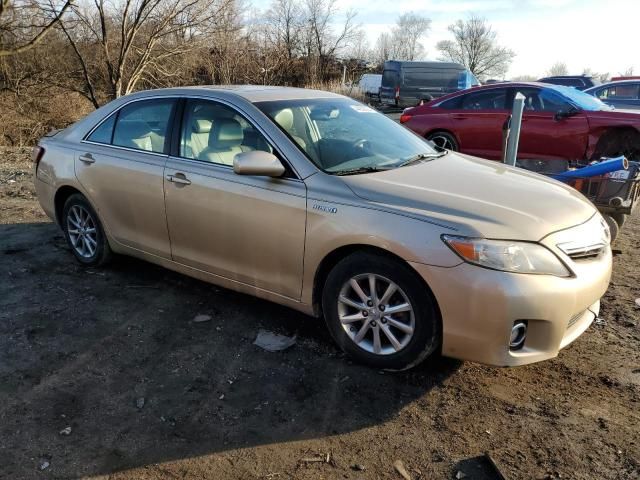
443	141
84	232
379	312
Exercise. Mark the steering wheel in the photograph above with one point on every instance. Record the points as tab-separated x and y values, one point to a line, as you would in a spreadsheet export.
360	143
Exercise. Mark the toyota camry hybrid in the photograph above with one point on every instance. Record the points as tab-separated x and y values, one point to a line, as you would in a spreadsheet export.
317	202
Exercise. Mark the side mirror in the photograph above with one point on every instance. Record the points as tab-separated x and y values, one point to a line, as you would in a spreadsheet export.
257	162
562	114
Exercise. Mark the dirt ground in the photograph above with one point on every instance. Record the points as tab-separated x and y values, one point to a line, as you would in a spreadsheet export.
104	373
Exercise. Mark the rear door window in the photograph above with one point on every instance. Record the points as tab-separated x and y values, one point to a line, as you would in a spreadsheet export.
485	100
620	92
144	125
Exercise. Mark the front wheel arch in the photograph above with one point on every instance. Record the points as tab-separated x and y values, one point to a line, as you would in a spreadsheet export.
334	257
426	336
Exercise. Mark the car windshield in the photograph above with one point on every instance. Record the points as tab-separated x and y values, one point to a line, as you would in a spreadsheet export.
582	100
342	136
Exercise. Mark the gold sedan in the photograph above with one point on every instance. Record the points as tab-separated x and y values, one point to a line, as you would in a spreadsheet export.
317	202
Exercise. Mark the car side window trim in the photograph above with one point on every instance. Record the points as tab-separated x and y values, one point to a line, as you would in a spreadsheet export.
514	90
177	124
116	113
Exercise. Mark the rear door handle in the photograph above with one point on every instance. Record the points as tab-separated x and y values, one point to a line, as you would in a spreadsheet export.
179	178
87	158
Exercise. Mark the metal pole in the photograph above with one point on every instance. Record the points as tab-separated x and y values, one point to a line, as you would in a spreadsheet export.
514	134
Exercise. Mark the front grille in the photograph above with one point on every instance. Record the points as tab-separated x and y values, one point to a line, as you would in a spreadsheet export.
583	253
585	242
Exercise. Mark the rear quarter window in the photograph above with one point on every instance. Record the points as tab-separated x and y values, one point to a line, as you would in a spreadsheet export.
104	132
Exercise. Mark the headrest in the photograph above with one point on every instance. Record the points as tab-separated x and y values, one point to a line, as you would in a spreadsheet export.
227	132
284	118
200	125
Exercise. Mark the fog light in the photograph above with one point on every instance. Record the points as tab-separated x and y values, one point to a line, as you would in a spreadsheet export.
518	334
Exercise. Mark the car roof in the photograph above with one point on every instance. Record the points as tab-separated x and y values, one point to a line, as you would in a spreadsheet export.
494	86
568	77
413	64
252	93
613	84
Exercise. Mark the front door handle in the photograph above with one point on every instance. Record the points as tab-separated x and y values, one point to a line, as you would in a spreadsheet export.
179	178
87	158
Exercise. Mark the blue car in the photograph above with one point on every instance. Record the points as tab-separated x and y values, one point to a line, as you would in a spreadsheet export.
623	94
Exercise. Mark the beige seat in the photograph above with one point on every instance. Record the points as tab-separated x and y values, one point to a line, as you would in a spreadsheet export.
225	142
200	131
137	134
285	119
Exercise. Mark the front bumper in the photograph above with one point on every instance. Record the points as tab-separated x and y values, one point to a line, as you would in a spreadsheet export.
479	307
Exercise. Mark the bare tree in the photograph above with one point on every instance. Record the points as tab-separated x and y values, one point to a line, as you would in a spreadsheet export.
137	40
283	31
600	76
627	73
558	69
322	43
25	23
405	36
383	48
475	46
286	19
524	78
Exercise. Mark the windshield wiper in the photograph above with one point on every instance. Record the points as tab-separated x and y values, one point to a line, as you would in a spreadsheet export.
356	171
422	156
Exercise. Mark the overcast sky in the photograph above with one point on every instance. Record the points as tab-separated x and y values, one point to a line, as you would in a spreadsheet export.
601	35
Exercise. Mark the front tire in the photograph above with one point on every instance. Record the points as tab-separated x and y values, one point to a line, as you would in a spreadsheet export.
84	233
614	228
380	313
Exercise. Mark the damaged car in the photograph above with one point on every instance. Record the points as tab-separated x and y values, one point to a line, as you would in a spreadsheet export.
560	125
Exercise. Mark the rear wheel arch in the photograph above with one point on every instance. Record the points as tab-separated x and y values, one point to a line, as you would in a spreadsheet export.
334	257
61	196
614	141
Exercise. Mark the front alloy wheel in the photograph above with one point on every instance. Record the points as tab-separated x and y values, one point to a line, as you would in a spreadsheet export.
376	314
380	312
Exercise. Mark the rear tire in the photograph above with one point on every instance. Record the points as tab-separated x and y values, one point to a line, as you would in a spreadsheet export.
84	233
391	341
443	141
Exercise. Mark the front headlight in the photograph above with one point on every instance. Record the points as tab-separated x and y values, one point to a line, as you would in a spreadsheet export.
508	256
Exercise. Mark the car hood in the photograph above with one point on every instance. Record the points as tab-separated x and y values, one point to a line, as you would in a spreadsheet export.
476	197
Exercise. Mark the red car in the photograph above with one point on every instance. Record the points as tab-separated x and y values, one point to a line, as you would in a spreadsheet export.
558	123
